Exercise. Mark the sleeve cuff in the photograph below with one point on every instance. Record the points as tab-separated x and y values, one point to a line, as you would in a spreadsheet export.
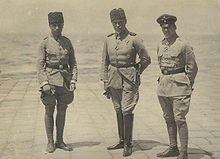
43	83
105	81
73	81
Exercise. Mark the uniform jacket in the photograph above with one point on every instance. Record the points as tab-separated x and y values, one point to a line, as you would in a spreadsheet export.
59	54
175	56
119	53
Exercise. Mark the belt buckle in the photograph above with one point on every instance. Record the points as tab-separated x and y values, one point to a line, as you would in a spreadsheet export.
165	72
60	67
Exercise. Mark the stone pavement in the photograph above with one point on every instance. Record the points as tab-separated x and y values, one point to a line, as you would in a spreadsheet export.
91	123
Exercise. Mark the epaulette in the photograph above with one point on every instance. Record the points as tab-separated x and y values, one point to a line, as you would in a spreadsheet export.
110	34
45	37
132	34
65	37
163	41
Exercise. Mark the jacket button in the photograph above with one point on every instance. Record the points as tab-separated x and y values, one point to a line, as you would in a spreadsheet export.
60	67
165	71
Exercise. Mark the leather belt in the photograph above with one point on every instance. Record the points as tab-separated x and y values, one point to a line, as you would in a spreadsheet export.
123	66
169	72
57	66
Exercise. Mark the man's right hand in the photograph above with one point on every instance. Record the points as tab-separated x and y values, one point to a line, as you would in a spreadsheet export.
105	85
107	92
46	88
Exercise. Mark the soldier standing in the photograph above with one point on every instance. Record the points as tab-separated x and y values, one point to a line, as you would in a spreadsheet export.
121	75
178	66
57	75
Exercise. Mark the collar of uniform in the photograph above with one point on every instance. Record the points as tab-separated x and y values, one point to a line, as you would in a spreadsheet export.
171	40
122	35
58	39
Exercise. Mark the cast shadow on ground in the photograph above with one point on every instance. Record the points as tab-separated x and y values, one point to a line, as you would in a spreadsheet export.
83	144
144	145
198	153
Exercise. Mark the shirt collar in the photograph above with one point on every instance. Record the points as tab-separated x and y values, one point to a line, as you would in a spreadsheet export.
51	35
171	40
122	35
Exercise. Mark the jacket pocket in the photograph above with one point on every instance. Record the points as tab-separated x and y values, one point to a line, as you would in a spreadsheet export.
66	75
181	79
49	70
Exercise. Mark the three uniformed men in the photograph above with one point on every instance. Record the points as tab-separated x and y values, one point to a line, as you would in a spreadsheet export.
121	75
178	67
57	75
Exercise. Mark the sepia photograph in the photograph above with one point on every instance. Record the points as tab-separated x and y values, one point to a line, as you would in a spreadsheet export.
109	79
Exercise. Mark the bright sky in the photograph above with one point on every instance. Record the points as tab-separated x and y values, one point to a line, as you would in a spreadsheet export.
92	16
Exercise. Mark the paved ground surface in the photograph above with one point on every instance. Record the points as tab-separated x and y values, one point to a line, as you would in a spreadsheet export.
91	123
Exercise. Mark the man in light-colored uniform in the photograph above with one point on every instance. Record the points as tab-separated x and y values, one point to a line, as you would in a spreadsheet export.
178	66
121	75
57	75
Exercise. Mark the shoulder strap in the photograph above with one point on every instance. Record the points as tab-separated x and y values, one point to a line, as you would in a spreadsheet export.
110	34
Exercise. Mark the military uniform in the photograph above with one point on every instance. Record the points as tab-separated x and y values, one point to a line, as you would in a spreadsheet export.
122	75
57	68
120	71
178	71
56	62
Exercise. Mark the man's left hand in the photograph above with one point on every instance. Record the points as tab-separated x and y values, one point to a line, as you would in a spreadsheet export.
72	86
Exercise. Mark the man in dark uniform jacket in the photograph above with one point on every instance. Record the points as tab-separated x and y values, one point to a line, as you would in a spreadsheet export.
120	74
178	67
57	75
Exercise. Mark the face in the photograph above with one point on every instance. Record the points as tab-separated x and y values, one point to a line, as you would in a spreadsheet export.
168	31
56	28
119	25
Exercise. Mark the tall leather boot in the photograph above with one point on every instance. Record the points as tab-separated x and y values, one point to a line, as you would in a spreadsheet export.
128	126
60	122
120	133
49	125
183	134
172	150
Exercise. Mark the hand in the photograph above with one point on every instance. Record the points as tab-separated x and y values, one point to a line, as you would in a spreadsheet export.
105	85
107	94
72	86
46	88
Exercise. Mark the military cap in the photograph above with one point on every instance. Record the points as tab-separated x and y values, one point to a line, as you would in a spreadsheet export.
117	14
166	19
55	17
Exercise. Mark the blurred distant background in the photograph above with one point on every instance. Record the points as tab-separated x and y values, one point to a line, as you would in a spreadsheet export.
23	25
88	17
